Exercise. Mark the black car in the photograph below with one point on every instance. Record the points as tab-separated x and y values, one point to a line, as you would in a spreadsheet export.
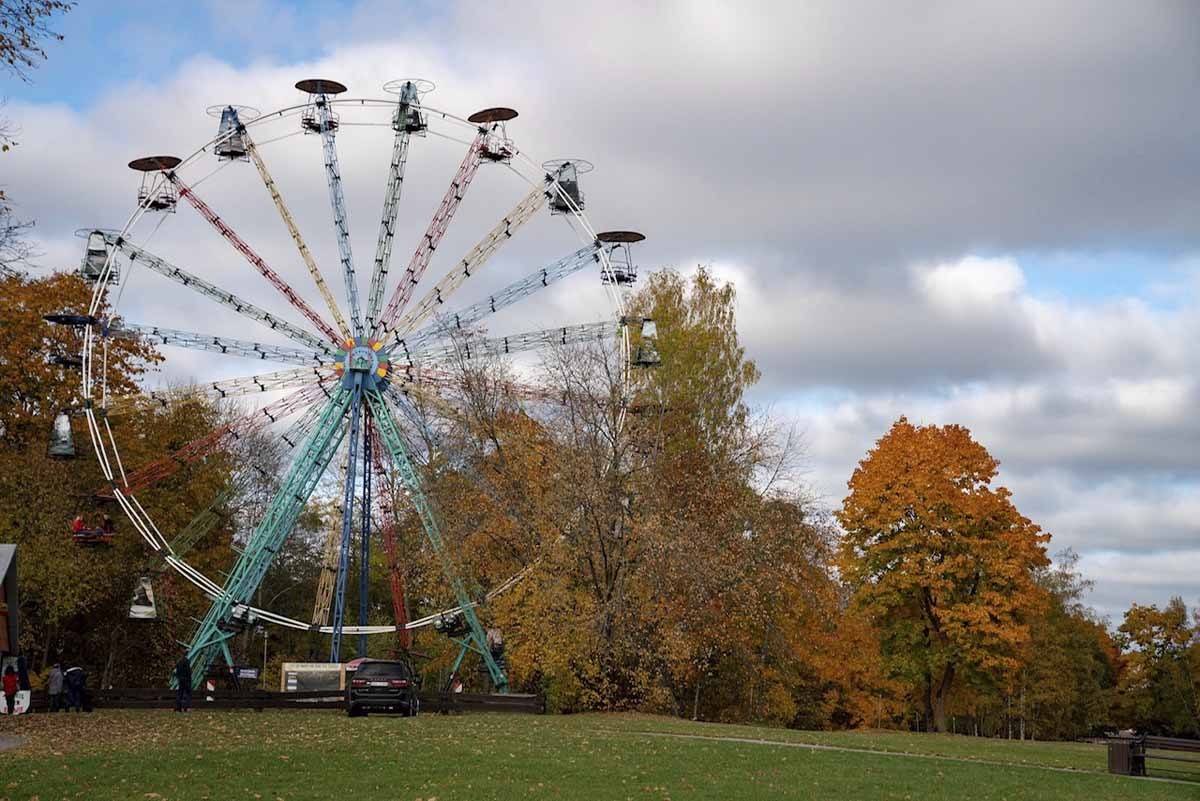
383	686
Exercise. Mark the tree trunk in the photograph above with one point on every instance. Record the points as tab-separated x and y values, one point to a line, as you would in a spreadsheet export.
940	695
927	720
696	702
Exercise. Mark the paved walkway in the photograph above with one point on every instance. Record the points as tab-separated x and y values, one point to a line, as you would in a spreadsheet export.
9	742
878	752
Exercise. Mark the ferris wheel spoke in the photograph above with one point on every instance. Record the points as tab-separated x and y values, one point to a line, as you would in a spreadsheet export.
474	261
433	236
229	388
223	345
477	347
219	437
337	201
297	486
251	256
286	215
453	324
407	121
211	291
389	433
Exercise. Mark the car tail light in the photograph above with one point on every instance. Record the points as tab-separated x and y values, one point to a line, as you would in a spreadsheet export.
398	683
358	682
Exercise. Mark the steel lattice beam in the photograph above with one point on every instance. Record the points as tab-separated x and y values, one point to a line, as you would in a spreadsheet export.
474	261
387	222
214	292
339	592
329	565
228	388
223	345
219	625
433	236
301	246
475	347
364	539
390	435
341	223
208	444
255	260
387	533
454	323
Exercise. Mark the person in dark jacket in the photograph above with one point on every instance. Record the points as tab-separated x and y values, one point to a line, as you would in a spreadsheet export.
54	687
10	689
76	681
183	685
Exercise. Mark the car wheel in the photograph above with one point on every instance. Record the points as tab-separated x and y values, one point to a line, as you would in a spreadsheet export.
353	711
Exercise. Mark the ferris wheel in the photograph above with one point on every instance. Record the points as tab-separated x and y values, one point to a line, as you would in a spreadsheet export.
351	365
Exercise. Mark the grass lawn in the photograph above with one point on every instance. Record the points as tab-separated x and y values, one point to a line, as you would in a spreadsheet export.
126	754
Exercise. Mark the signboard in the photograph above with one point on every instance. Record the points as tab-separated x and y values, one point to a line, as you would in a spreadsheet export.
142	607
306	676
20	707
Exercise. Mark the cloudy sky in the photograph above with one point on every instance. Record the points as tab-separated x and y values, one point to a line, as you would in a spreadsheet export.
978	213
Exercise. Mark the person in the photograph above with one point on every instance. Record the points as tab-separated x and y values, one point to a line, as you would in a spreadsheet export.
54	687
10	689
183	685
106	526
78	526
75	680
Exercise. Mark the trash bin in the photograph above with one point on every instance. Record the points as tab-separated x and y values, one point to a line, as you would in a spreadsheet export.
1120	757
1127	756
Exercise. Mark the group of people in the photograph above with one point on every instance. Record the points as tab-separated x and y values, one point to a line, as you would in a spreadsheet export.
74	681
65	689
79	527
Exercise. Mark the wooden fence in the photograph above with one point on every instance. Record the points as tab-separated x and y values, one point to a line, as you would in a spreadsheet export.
154	698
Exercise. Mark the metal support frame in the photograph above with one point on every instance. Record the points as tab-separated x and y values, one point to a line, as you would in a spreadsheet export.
337	201
255	260
223	345
476	347
454	323
387	222
387	533
290	222
219	625
433	236
339	593
214	292
474	261
390	436
364	551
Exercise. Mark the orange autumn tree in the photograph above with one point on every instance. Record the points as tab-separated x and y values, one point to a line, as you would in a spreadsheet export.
941	561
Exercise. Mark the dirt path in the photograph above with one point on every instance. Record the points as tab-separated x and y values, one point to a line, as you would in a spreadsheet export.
877	752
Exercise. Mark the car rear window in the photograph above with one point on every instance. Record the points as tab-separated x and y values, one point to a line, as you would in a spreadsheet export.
383	669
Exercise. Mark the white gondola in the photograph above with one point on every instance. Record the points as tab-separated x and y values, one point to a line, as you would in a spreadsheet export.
565	195
62	442
647	350
95	256
621	268
230	144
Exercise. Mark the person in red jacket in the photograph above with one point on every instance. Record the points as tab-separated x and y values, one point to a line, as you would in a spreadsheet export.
78	524
10	688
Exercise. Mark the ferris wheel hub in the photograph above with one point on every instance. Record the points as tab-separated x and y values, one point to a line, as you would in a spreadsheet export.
362	364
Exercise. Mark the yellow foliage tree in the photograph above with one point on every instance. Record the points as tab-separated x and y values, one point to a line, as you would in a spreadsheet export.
941	561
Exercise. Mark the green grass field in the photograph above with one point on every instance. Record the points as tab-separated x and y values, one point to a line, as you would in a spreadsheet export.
319	755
